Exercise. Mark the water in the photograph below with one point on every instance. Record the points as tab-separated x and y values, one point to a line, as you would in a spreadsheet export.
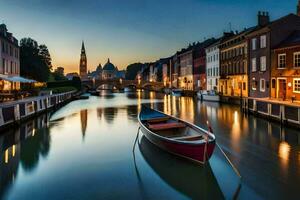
84	151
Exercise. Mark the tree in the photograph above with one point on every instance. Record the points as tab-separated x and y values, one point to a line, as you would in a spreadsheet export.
132	70
35	60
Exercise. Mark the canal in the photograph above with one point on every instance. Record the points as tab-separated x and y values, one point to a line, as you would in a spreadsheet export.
84	151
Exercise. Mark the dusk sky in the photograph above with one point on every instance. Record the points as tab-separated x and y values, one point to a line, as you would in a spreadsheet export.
128	31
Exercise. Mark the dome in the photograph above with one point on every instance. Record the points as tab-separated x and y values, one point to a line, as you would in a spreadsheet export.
109	66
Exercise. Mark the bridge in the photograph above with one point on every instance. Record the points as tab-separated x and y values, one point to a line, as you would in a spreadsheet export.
121	84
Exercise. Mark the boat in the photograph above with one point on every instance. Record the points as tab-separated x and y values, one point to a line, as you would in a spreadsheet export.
208	96
190	179
177	92
177	136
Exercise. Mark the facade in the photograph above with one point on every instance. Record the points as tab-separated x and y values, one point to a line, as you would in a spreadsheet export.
175	70
285	70
152	72
97	74
109	71
233	65
185	80
213	66
83	63
9	60
267	36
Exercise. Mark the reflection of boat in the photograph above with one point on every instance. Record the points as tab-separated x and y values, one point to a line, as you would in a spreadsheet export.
176	136
194	181
208	96
177	92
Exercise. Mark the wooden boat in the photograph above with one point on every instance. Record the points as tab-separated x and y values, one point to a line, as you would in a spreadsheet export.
192	180
177	92
176	136
205	96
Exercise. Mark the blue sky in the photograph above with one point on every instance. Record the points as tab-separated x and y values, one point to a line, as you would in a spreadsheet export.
128	31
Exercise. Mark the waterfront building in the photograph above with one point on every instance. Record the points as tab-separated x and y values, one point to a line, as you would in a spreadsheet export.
97	74
186	69
267	36
9	60
175	70
153	71
109	71
70	76
285	69
166	71
199	64
233	64
212	66
83	63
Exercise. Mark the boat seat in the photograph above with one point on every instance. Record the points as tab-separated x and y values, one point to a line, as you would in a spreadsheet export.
156	120
166	126
188	137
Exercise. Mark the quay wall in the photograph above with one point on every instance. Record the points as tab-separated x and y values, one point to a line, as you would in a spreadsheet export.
284	113
15	112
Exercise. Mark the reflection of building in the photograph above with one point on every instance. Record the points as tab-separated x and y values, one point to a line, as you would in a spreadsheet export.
285	71
83	63
9	59
83	120
109	71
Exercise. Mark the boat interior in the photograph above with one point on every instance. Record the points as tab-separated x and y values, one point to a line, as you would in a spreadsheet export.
173	129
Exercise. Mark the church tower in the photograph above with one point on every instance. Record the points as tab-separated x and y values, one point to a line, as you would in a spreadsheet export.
83	63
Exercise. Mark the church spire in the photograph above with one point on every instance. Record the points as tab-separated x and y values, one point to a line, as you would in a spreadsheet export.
82	47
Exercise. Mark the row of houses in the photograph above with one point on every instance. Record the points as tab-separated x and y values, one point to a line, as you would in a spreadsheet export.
262	61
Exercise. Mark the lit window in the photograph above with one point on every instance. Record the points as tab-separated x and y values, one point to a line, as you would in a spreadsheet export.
253	64
263	63
253	84
254	44
281	60
263	41
297	59
262	85
296	87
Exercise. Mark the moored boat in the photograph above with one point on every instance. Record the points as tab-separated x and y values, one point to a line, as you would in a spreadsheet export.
177	92
176	136
208	96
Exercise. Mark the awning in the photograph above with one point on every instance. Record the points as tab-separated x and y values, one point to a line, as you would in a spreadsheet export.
16	79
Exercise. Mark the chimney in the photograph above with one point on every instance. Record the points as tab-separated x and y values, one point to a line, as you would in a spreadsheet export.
298	8
263	18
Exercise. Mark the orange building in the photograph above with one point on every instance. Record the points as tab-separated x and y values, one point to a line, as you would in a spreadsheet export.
285	73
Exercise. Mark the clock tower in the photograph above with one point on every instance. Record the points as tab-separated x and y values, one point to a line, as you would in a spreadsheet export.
83	63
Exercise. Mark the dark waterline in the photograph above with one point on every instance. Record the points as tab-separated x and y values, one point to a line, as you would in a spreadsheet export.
84	152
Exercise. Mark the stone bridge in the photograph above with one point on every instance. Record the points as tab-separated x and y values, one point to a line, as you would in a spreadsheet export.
121	84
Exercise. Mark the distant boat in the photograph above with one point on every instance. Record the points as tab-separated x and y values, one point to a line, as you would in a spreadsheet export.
176	136
192	180
177	92
208	96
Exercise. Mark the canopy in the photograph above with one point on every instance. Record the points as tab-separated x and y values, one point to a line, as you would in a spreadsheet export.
16	79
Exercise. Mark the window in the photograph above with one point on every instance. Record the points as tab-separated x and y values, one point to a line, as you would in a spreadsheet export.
262	85
244	86
253	84
263	64
263	41
296	85
253	64
254	44
297	59
281	60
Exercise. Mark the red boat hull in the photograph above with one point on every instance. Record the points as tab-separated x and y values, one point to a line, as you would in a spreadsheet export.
195	152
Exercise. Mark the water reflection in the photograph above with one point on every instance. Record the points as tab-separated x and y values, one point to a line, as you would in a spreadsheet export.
108	125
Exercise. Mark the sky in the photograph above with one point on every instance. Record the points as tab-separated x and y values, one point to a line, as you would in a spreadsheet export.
128	31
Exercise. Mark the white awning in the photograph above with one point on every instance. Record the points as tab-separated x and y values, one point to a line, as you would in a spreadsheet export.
16	79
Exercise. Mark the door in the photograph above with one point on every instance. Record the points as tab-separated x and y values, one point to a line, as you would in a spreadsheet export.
282	88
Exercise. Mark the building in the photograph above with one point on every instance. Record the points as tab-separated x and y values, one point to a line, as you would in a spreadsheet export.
166	72
70	76
83	63
97	74
9	60
109	71
153	70
285	69
234	64
175	70
213	66
267	36
185	80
